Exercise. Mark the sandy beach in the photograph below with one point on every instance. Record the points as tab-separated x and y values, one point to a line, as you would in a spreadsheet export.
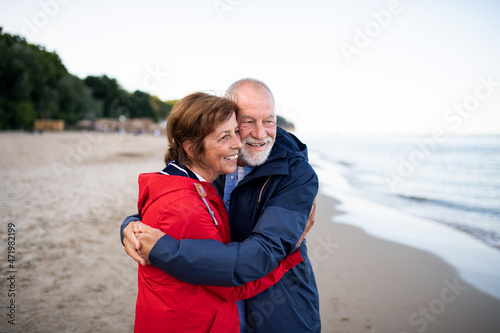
65	195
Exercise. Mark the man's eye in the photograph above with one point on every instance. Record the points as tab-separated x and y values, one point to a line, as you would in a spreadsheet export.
246	124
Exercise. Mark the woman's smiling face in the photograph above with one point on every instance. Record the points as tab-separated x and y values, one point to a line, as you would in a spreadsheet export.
221	151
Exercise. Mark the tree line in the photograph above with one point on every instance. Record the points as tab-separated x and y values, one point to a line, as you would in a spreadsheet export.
35	84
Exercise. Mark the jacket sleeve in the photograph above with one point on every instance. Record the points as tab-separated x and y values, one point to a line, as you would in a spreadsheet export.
278	229
250	289
125	223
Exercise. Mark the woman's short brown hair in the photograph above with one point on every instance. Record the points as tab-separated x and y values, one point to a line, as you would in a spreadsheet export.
193	118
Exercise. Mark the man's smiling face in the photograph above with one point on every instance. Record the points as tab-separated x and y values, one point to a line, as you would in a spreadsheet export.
257	124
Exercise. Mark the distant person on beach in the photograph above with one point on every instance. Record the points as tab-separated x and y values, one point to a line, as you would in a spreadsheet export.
269	199
180	200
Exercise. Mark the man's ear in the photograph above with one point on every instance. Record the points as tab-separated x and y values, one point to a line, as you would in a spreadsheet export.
188	148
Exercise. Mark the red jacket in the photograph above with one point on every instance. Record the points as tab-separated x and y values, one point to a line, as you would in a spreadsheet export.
166	304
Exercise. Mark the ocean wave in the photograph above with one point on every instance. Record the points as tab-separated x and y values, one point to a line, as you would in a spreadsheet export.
488	237
410	197
457	186
451	204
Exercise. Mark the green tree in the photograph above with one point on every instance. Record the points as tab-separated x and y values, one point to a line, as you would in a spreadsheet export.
28	82
111	95
76	101
34	83
162	109
142	106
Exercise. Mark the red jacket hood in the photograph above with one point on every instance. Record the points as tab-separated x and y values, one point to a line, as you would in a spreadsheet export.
153	186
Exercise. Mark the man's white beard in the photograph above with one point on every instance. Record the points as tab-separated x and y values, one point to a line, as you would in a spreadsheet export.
255	158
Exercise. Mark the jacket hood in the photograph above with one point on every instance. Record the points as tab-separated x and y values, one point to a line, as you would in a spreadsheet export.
287	144
153	186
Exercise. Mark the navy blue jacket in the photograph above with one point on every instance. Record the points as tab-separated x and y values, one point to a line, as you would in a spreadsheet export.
268	212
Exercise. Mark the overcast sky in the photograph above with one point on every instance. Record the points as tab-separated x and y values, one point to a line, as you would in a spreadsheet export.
367	66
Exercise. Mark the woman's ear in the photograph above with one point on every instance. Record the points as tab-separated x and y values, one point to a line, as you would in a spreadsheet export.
188	148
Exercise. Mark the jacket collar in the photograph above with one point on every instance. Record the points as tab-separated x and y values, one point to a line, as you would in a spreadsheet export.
285	146
174	168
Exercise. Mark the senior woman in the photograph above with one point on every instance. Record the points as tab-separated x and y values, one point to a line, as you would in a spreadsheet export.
180	200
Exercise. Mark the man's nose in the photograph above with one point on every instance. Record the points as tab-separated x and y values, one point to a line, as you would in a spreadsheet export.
259	131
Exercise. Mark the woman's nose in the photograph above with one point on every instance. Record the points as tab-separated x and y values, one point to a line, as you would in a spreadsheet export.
237	142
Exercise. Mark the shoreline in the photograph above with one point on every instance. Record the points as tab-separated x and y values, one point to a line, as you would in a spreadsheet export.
367	284
365	168
476	262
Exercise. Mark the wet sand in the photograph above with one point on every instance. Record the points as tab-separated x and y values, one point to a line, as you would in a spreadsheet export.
67	193
367	284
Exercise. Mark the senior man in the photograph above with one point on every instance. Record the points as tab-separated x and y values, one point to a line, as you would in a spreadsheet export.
269	199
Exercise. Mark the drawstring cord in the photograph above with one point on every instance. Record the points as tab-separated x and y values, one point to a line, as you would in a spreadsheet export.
203	194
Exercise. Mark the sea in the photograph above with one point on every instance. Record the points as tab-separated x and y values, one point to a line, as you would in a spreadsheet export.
439	194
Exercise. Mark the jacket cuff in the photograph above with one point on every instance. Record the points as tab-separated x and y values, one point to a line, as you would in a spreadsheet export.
293	259
162	251
125	223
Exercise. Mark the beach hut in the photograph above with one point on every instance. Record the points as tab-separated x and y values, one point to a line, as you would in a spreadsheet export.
49	125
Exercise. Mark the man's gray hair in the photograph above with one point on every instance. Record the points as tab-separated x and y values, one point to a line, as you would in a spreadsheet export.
254	83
